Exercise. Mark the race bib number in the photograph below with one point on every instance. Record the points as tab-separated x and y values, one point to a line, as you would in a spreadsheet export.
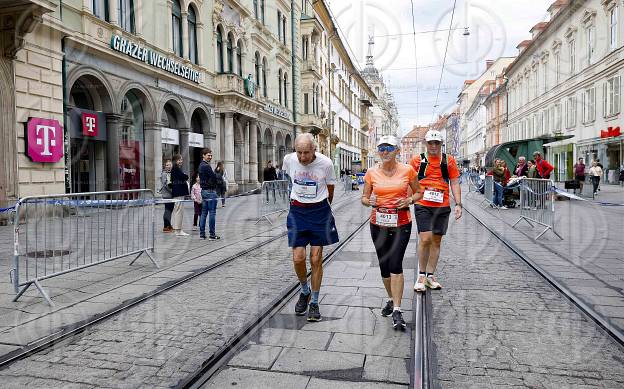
387	217
305	189
434	195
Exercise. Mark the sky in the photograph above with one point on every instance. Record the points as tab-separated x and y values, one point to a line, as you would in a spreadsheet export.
407	60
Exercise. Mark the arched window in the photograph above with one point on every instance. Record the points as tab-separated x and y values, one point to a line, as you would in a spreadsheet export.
264	78
219	50
230	53
125	14
257	68
192	32
279	83
100	9
239	57
255	5
284	28
285	90
176	27
262	11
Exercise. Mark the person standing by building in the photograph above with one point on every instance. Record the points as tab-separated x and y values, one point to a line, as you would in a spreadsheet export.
437	173
208	182
165	191
498	174
179	190
310	221
197	200
531	171
521	168
386	190
269	175
595	172
542	166
221	182
579	173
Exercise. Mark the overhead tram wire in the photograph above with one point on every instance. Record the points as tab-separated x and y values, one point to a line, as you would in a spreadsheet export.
415	56
448	39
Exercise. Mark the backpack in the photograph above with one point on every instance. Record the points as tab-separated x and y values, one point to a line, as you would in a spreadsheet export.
424	163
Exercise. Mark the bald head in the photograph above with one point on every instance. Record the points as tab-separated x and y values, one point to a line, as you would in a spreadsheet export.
305	148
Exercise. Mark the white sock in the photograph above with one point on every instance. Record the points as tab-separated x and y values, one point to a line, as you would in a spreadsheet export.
397	309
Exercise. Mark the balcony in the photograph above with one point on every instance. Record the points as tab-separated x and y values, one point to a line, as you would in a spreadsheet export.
311	67
229	82
311	120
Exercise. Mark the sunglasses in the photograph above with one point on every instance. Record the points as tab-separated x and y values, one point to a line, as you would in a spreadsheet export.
434	142
388	148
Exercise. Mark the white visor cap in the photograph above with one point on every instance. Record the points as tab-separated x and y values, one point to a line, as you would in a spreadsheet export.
433	135
388	140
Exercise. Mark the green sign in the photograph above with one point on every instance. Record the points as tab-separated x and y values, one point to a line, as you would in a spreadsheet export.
250	86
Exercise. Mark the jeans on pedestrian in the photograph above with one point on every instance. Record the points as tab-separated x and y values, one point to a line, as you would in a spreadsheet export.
167	214
498	194
209	207
595	182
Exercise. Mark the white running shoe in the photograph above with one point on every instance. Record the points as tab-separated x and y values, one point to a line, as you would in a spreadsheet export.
432	283
503	207
181	233
419	286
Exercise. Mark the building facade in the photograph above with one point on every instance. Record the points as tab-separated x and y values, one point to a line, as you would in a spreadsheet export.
566	81
413	143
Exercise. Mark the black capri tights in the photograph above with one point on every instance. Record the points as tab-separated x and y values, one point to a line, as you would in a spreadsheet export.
390	244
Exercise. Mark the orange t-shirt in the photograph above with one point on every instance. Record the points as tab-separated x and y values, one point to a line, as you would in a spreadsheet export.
433	178
388	191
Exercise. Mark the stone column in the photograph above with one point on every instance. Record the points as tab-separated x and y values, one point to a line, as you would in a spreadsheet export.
200	43
167	25
153	156
245	176
185	34
253	151
185	149
229	145
113	124
112	13
216	150
138	18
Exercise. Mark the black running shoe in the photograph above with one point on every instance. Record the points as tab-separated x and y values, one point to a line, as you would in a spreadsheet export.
302	305
387	310
214	237
397	320
314	314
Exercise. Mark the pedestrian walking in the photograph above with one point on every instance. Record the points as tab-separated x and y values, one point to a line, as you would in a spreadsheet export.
197	200
602	169
208	183
579	173
310	221
437	173
165	191
221	173
595	172
621	178
386	189
179	191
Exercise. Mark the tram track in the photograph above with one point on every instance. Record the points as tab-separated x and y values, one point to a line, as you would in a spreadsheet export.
75	329
220	358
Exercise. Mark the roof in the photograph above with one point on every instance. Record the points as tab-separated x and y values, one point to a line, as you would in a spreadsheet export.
539	26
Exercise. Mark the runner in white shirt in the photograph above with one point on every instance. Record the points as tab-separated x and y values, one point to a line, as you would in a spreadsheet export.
310	220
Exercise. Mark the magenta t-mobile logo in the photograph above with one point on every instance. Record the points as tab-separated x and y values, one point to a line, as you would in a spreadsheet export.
89	124
45	140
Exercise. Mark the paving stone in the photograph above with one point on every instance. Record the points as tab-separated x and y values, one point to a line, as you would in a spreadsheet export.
319	383
255	379
387	369
383	343
256	356
356	321
314	361
312	340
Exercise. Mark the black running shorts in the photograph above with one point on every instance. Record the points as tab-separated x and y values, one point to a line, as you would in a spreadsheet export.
434	219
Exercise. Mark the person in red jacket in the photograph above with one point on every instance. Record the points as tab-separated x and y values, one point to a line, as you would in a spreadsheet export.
543	167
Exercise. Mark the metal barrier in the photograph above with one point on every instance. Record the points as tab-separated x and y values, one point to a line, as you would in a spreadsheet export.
488	190
59	234
274	198
537	204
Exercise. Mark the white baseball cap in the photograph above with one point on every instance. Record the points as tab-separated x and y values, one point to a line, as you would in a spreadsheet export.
388	140
433	135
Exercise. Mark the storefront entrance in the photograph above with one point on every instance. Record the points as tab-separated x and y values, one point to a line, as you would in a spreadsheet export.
88	168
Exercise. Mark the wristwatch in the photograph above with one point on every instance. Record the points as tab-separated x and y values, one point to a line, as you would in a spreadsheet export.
459	205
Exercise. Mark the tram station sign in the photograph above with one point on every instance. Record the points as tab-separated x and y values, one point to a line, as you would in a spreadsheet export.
153	58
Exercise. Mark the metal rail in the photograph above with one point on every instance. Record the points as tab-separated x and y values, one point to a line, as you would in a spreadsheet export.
227	351
423	359
79	327
586	309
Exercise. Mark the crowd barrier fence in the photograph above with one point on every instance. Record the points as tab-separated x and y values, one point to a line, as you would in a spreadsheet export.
274	198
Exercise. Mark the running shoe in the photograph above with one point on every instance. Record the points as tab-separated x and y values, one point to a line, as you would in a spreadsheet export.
214	237
397	320
432	283
387	310
181	233
168	229
419	286
314	314
302	304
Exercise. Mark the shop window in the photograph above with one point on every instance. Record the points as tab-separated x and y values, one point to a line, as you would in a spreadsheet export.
192	31
125	14
220	62
131	152
100	9
176	28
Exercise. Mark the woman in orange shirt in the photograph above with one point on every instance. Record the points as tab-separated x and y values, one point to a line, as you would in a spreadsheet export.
386	189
